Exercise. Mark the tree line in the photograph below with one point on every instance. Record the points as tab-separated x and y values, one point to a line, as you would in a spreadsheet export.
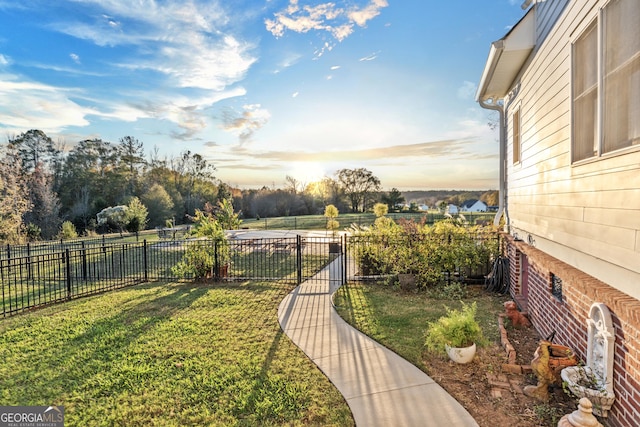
44	184
99	186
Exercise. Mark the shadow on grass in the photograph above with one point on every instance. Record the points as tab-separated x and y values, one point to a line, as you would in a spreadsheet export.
79	363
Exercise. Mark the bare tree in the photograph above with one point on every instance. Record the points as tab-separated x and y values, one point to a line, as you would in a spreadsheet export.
293	184
45	205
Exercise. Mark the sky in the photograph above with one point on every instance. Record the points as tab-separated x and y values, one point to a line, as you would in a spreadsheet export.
263	89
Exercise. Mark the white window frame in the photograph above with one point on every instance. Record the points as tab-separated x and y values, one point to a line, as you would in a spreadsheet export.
599	152
516	122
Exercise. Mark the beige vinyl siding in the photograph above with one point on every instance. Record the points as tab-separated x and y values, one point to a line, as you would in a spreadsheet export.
578	213
624	218
551	227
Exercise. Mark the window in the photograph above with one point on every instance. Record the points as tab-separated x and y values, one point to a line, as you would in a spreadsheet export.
516	136
556	287
606	82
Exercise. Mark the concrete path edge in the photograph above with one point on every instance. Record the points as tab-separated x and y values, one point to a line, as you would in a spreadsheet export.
380	387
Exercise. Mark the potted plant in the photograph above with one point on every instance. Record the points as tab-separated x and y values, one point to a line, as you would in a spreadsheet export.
407	264
457	333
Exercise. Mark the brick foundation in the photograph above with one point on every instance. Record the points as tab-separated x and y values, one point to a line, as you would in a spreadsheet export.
566	315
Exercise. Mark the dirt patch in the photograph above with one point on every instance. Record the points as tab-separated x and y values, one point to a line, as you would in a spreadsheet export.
493	396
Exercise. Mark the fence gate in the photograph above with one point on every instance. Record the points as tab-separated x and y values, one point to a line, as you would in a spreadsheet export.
323	258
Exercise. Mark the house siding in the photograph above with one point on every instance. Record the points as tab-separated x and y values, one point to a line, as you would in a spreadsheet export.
579	222
587	214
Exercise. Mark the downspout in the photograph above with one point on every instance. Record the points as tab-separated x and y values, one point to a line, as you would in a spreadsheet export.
502	193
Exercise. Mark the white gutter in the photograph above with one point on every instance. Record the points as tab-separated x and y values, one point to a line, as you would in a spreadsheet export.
506	58
502	191
495	52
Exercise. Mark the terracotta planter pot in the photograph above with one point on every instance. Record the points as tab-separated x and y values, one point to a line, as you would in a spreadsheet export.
407	281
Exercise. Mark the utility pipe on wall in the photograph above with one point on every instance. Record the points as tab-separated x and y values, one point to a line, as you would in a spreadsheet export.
502	194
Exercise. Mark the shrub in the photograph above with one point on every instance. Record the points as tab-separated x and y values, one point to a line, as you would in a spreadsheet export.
331	213
458	328
32	231
201	257
68	231
136	216
433	253
197	263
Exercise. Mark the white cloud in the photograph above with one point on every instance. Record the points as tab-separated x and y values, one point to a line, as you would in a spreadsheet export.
187	112
370	57
246	123
289	61
369	12
178	39
67	70
48	106
467	91
330	17
325	47
295	94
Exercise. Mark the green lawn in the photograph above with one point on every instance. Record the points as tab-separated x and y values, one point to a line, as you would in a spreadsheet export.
319	222
399	319
167	354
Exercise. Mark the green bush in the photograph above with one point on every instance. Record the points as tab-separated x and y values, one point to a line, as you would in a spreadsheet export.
32	231
68	231
432	253
197	263
203	256
458	328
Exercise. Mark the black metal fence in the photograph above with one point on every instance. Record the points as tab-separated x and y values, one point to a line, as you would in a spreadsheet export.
463	256
66	273
8	251
60	275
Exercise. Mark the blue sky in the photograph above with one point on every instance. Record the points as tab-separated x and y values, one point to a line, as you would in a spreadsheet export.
263	89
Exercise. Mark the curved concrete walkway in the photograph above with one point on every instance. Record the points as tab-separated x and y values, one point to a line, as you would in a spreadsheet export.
380	387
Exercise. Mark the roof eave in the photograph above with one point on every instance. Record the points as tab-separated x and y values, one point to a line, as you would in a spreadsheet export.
506	58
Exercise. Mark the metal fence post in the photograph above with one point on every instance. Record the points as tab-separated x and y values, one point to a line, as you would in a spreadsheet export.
68	270
299	257
84	263
216	266
145	260
29	265
345	264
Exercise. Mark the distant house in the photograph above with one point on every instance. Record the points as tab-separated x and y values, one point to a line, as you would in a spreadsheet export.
473	205
452	209
565	82
423	207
